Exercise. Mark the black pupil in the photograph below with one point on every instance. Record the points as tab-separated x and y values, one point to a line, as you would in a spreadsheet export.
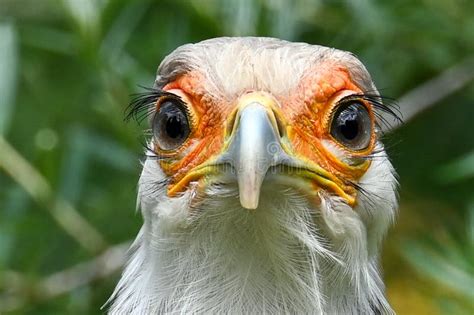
351	126
348	123
174	127
171	127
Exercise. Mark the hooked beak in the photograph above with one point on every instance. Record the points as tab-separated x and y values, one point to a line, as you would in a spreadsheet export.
253	149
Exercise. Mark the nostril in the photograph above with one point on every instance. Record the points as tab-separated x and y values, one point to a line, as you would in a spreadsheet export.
280	126
231	124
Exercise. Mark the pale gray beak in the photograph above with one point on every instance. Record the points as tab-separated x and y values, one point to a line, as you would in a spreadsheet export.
254	148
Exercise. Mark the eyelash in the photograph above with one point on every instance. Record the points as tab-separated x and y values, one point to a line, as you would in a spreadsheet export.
379	108
382	105
143	105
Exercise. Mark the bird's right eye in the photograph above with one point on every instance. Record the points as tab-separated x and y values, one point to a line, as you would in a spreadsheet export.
170	125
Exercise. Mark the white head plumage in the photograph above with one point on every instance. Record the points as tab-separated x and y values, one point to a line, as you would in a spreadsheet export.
265	188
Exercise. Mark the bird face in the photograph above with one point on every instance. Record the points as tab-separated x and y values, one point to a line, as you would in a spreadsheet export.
265	187
316	132
319	140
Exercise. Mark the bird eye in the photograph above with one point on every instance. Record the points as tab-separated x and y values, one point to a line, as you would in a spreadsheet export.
351	126
170	125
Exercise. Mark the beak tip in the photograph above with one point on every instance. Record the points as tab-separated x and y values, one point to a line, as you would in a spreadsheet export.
249	148
249	203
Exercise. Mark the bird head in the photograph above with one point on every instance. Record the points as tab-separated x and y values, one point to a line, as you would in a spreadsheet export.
264	158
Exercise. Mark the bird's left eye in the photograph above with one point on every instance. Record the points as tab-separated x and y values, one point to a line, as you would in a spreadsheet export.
351	126
170	125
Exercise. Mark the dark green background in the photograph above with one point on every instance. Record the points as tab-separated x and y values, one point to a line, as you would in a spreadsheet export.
67	69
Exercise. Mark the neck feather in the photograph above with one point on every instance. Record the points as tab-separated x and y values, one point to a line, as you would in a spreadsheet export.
285	257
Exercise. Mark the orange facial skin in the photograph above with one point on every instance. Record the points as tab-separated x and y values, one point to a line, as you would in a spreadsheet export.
305	115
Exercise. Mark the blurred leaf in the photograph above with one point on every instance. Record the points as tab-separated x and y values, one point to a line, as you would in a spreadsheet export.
6	242
448	261
470	225
13	209
122	28
240	17
48	38
85	147
459	169
8	73
437	267
86	14
284	20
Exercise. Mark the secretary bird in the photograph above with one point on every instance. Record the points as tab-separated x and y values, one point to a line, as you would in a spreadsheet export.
265	187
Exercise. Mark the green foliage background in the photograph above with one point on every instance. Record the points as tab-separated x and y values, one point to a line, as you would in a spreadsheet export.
67	69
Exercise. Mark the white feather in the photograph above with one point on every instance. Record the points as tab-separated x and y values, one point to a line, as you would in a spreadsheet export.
286	257
297	253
